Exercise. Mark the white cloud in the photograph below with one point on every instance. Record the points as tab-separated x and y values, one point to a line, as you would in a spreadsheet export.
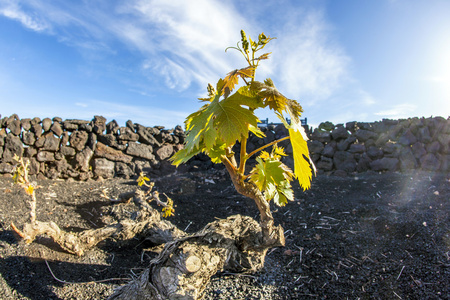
307	61
181	43
398	111
145	115
11	9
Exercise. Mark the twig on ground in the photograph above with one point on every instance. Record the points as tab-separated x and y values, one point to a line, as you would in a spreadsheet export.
401	271
239	275
96	281
190	222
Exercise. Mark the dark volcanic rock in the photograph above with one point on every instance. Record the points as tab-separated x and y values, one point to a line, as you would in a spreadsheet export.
385	164
164	152
83	159
26	124
140	150
344	161
430	162
101	150
56	129
78	139
104	168
340	133
363	135
45	156
13	145
15	127
46	124
407	138
99	124
112	127
315	147
126	134
28	138
146	136
124	170
51	143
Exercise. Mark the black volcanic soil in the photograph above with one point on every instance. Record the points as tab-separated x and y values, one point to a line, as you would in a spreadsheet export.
374	236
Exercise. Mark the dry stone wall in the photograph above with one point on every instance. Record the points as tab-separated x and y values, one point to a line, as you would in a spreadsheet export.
81	149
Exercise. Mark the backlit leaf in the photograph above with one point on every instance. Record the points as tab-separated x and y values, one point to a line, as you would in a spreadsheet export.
233	78
302	167
29	190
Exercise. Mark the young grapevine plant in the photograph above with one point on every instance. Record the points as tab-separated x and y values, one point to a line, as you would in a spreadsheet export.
228	117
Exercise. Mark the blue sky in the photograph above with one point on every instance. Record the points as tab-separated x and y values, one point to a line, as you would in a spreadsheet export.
149	61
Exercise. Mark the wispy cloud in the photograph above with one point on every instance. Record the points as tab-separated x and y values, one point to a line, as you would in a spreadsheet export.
12	9
398	111
180	44
122	112
308	62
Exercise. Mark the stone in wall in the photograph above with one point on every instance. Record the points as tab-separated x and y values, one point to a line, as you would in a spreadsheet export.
344	161
46	124
363	163
146	135
13	145
164	152
140	150
51	143
99	125
36	129
325	164
15	127
315	147
321	136
78	140
126	134
343	145
430	162
408	138
85	127
141	165
407	160
6	168
363	135
34	166
112	127
56	129
340	132
101	150
124	170
26	124
104	168
108	139
444	140
45	156
28	138
83	158
329	149
385	164
418	150
67	151
357	148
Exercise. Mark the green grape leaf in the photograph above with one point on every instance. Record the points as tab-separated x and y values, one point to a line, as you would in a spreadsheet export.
283	193
275	100
272	177
182	156
232	120
302	167
256	131
216	153
232	78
